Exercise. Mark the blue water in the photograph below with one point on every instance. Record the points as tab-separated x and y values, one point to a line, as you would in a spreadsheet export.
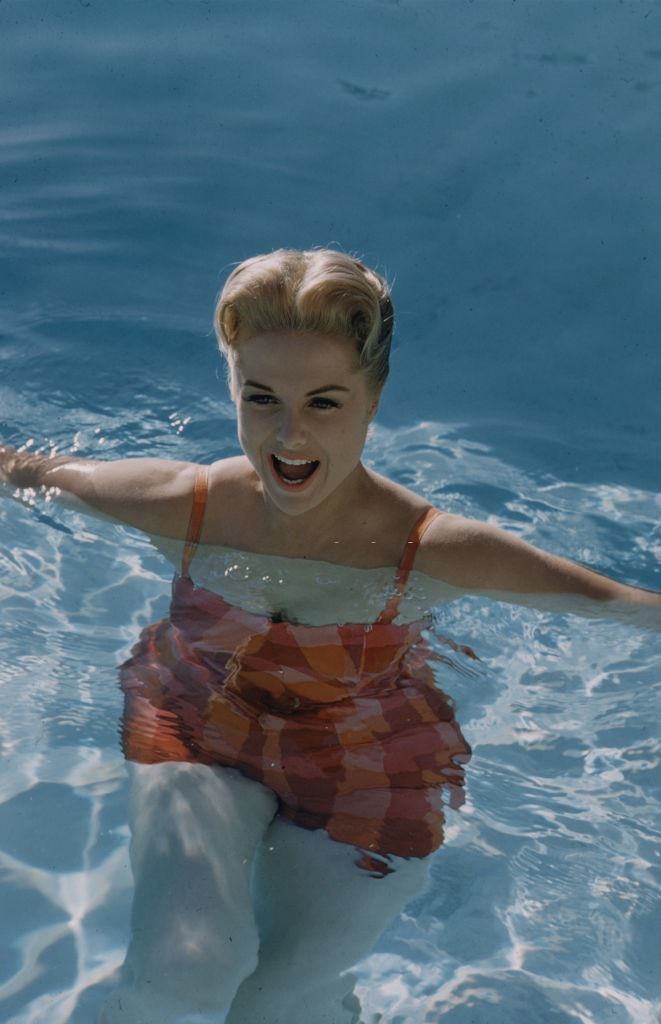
499	162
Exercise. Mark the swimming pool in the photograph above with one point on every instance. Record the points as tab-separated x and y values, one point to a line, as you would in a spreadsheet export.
498	160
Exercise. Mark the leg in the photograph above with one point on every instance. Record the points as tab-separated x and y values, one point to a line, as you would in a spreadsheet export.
318	914
194	832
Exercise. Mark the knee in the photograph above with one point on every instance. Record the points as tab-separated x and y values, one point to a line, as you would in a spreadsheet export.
203	963
207	973
311	955
186	973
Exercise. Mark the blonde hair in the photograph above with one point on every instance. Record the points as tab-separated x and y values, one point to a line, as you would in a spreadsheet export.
318	291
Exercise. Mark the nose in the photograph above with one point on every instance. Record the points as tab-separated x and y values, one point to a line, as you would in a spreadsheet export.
291	432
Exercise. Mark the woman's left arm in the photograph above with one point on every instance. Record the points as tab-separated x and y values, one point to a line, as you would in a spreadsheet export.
479	556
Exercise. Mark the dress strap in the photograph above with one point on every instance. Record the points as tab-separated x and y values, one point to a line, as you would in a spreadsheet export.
408	556
196	517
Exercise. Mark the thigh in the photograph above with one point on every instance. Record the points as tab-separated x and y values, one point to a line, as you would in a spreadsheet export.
317	914
194	832
308	887
181	812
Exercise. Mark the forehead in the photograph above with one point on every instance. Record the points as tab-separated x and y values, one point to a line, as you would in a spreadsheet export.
273	357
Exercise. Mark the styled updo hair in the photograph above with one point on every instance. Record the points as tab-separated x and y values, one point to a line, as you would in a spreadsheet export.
316	291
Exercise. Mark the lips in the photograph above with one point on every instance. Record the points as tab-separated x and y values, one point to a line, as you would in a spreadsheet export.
294	476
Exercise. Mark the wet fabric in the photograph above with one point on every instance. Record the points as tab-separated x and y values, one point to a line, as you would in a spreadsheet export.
344	723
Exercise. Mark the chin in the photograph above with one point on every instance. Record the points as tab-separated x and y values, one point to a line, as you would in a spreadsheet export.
291	508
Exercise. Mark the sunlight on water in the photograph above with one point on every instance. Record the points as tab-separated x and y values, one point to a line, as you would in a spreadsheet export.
499	162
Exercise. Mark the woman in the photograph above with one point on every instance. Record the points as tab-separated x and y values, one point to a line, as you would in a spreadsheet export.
289	747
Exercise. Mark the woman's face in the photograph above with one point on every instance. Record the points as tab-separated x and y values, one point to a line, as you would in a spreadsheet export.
274	380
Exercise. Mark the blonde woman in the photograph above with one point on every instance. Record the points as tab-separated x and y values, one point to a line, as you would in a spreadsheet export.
289	748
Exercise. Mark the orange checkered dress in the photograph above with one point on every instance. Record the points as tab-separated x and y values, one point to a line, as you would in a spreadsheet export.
344	723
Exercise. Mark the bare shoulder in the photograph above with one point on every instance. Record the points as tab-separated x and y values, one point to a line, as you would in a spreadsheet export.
386	523
232	471
230	517
156	495
227	498
457	549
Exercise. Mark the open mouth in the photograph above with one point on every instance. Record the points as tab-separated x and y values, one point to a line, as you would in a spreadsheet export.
294	473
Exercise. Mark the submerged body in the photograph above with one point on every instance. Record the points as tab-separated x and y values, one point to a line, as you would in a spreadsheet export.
264	918
343	722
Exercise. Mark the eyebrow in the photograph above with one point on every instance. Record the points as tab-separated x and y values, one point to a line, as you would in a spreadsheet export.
317	391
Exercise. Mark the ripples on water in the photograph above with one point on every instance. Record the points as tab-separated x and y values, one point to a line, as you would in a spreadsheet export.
501	160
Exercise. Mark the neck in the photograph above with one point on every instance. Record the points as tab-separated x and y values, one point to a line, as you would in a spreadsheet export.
327	522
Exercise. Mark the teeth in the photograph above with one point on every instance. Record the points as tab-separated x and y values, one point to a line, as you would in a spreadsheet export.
294	462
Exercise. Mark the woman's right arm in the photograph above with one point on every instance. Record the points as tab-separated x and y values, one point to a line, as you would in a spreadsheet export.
153	495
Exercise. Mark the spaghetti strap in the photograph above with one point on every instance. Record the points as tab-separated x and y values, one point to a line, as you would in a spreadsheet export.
196	517
408	556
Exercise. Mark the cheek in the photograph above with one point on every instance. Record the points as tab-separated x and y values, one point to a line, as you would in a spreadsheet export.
253	433
245	432
247	421
349	442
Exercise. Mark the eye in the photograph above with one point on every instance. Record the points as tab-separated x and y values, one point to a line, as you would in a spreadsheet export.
328	402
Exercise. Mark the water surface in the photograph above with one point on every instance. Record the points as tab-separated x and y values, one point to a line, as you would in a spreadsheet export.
499	162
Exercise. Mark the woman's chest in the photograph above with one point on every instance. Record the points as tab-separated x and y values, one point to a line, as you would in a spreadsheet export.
293	590
304	591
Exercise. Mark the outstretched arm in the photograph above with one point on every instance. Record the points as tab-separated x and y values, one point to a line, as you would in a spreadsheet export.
479	556
154	495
